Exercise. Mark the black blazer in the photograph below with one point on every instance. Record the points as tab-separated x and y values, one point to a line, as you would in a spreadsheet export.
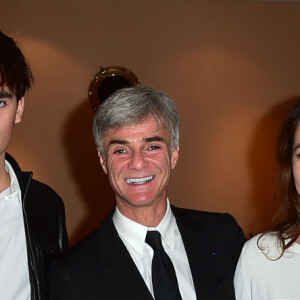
100	267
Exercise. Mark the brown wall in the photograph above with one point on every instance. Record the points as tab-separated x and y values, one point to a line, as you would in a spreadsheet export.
232	67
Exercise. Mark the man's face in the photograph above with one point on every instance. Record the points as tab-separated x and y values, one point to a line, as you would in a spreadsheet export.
139	164
10	114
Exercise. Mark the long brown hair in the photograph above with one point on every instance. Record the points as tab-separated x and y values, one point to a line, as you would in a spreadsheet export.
286	220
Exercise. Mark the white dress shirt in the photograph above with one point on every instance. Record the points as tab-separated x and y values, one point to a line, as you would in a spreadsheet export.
133	236
14	276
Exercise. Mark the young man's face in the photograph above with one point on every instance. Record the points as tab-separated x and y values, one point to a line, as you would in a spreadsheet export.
139	164
10	114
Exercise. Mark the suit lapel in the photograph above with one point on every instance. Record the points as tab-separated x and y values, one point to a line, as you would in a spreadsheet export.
118	269
200	254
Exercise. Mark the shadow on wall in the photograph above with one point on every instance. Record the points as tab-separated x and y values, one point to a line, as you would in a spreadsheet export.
92	183
263	165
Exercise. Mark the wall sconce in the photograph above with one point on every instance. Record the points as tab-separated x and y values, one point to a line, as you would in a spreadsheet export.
107	81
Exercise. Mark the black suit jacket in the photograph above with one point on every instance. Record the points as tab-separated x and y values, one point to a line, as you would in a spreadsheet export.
100	267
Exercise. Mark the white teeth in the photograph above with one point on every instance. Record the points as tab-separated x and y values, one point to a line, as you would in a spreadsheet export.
139	180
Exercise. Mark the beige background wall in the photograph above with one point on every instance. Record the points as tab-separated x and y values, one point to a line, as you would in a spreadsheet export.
231	66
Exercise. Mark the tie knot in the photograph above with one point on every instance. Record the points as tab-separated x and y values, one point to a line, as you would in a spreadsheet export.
153	239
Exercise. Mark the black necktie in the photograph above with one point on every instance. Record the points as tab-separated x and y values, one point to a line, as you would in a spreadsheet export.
164	279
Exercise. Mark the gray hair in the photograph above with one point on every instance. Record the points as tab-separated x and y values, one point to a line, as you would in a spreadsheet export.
133	105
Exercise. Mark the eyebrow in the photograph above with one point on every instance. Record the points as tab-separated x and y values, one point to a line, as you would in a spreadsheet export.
147	140
155	139
296	147
118	142
5	95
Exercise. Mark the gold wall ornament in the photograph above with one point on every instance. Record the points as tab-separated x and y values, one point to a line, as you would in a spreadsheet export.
107	81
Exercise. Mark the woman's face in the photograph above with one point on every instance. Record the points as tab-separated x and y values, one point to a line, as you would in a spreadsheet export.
296	159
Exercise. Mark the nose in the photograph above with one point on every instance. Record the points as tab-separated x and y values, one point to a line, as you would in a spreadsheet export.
137	161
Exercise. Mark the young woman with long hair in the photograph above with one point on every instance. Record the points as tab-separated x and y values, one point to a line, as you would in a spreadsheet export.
269	265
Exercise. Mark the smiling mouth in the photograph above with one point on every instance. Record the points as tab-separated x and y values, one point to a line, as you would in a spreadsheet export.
139	180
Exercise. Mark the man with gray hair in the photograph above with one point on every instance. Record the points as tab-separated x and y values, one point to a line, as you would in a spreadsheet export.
146	248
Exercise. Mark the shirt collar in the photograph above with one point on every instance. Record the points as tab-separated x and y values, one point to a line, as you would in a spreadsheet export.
167	227
135	233
14	188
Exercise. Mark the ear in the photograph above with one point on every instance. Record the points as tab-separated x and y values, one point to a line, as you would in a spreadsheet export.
102	162
20	110
175	157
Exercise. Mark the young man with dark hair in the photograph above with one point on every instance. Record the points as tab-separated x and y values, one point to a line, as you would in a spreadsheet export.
32	218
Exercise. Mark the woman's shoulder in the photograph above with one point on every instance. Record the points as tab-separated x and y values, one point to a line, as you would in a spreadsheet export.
266	244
